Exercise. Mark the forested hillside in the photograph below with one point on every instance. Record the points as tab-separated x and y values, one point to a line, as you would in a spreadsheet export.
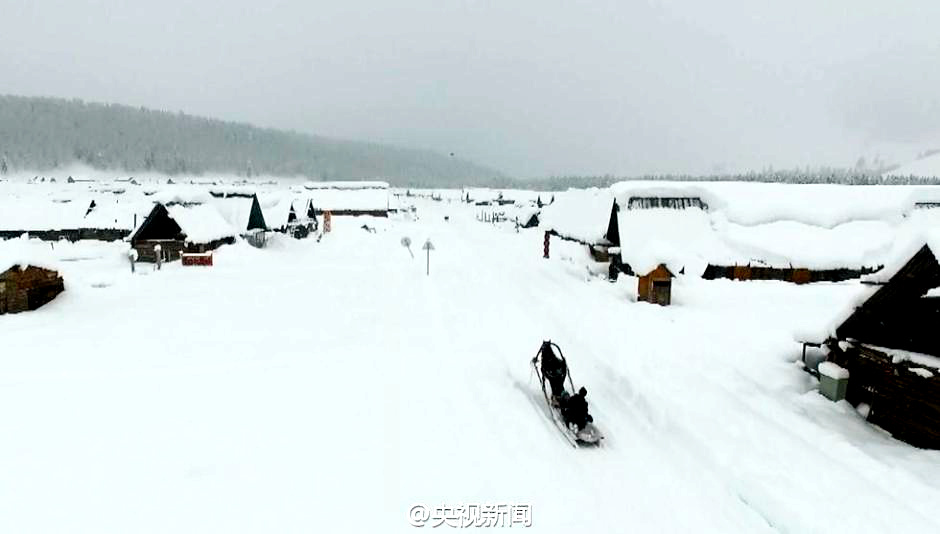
48	133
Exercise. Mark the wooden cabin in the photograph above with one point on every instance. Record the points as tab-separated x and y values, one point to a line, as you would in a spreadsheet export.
27	288
350	198
179	228
587	217
65	219
655	286
598	244
890	344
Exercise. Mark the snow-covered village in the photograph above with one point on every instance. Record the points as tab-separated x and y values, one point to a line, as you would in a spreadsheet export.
367	267
224	350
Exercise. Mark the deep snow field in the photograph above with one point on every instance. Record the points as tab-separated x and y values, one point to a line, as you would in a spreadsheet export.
328	387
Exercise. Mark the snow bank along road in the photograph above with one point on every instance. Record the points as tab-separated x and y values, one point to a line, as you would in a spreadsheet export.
329	386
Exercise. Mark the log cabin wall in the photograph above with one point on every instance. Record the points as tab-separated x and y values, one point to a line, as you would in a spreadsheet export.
28	289
903	402
793	275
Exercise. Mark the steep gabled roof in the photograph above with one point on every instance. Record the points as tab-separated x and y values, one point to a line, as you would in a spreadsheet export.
899	314
199	223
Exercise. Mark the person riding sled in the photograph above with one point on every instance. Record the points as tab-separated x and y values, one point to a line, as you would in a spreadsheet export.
574	409
568	411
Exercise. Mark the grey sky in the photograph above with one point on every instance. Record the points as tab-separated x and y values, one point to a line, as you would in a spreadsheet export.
531	87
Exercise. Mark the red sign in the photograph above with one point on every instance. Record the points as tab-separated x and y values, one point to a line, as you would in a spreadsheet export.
197	259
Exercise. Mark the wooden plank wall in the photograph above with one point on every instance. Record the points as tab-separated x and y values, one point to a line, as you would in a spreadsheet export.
28	289
794	275
902	402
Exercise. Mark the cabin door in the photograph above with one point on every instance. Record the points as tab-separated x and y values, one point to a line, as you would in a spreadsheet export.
662	290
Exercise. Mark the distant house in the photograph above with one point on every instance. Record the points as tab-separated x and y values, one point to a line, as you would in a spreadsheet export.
890	344
482	196
674	223
527	218
295	216
25	288
502	200
588	217
630	224
68	218
179	228
657	230
349	198
716	231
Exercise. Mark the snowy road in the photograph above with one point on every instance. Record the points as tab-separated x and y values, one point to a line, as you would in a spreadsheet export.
330	386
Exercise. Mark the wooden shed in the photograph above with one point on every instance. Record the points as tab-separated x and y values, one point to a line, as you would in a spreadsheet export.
179	228
27	288
890	345
655	287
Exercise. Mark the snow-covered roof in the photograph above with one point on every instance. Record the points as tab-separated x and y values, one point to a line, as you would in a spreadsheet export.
481	194
581	214
276	207
624	191
678	239
522	212
117	213
201	223
348	185
181	194
487	194
907	243
361	199
236	210
31	213
833	371
778	225
751	203
795	244
901	254
299	206
898	356
23	251
443	194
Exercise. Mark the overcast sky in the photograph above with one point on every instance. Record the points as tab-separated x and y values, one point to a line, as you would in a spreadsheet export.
530	87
